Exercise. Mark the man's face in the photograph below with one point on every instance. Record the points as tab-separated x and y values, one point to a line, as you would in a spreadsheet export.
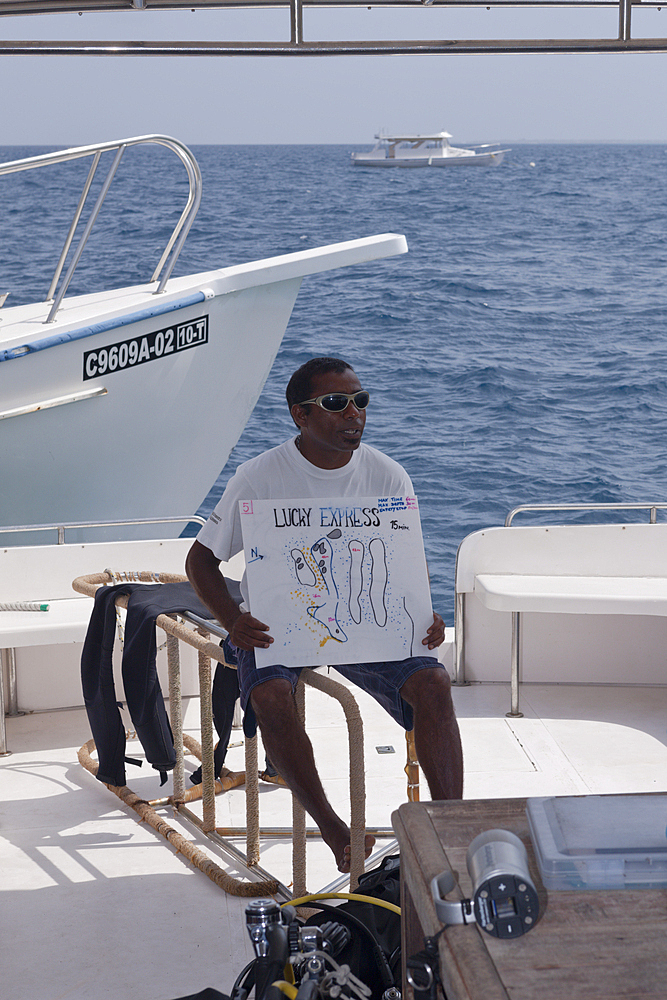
328	439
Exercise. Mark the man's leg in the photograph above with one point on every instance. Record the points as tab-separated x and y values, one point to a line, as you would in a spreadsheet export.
290	751
437	737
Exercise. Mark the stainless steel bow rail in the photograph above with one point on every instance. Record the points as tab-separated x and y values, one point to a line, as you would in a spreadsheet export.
176	240
297	44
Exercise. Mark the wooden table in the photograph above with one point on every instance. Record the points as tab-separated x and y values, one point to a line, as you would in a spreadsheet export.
598	945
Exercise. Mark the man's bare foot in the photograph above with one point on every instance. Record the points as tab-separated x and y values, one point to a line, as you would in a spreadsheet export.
344	863
273	779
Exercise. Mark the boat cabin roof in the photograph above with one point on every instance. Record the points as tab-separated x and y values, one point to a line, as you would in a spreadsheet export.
430	137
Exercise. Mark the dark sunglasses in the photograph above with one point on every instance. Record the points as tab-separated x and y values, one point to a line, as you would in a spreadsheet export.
336	402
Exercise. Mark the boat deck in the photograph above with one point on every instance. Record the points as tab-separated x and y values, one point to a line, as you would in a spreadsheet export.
96	904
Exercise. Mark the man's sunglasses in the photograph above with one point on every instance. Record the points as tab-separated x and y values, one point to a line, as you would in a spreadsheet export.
336	402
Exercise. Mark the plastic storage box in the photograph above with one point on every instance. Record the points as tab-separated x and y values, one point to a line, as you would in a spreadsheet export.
600	841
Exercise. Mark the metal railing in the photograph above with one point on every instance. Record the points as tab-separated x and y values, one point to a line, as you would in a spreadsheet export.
71	525
297	44
536	507
176	240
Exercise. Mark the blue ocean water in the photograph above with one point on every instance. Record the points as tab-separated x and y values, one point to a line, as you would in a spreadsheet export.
517	354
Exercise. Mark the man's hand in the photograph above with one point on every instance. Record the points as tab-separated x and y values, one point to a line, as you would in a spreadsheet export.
203	569
435	635
248	633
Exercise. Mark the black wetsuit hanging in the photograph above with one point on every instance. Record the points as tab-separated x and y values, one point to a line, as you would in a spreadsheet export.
142	688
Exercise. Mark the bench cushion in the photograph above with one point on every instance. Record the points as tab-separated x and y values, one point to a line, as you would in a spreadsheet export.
593	595
65	621
609	550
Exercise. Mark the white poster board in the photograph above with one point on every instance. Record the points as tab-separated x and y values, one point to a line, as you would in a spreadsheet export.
337	581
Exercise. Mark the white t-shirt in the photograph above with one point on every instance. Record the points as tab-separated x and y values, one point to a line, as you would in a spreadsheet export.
283	473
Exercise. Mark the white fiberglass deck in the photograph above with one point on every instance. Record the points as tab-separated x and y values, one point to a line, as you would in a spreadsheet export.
96	905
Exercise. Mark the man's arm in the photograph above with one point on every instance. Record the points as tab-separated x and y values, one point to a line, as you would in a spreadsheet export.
435	634
202	568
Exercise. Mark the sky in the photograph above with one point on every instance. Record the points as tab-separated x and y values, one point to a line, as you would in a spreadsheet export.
70	100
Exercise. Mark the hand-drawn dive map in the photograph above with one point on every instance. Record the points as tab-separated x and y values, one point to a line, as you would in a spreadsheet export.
337	581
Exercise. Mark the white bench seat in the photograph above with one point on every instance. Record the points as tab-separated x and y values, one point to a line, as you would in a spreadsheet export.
511	580
44	573
48	675
593	595
65	621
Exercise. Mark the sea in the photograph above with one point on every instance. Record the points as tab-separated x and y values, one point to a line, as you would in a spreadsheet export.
517	354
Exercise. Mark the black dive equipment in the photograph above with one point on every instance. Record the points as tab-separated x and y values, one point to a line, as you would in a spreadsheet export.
279	940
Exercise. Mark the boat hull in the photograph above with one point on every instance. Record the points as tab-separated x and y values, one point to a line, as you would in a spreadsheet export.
170	410
474	160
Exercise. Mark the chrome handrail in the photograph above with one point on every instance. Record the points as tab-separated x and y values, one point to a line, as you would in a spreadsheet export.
61	527
177	239
213	626
297	45
652	507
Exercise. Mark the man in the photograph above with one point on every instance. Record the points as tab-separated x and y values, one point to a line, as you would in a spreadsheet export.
326	459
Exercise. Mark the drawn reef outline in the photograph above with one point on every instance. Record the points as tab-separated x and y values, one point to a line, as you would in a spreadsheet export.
337	583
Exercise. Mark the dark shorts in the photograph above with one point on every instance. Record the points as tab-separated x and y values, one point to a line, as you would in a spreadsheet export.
381	680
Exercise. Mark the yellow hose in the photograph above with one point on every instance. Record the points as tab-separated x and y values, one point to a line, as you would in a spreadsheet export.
286	988
345	895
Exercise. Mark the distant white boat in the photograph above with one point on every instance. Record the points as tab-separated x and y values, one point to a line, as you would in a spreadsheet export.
431	150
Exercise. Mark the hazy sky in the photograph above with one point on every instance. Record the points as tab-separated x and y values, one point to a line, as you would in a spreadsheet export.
345	99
